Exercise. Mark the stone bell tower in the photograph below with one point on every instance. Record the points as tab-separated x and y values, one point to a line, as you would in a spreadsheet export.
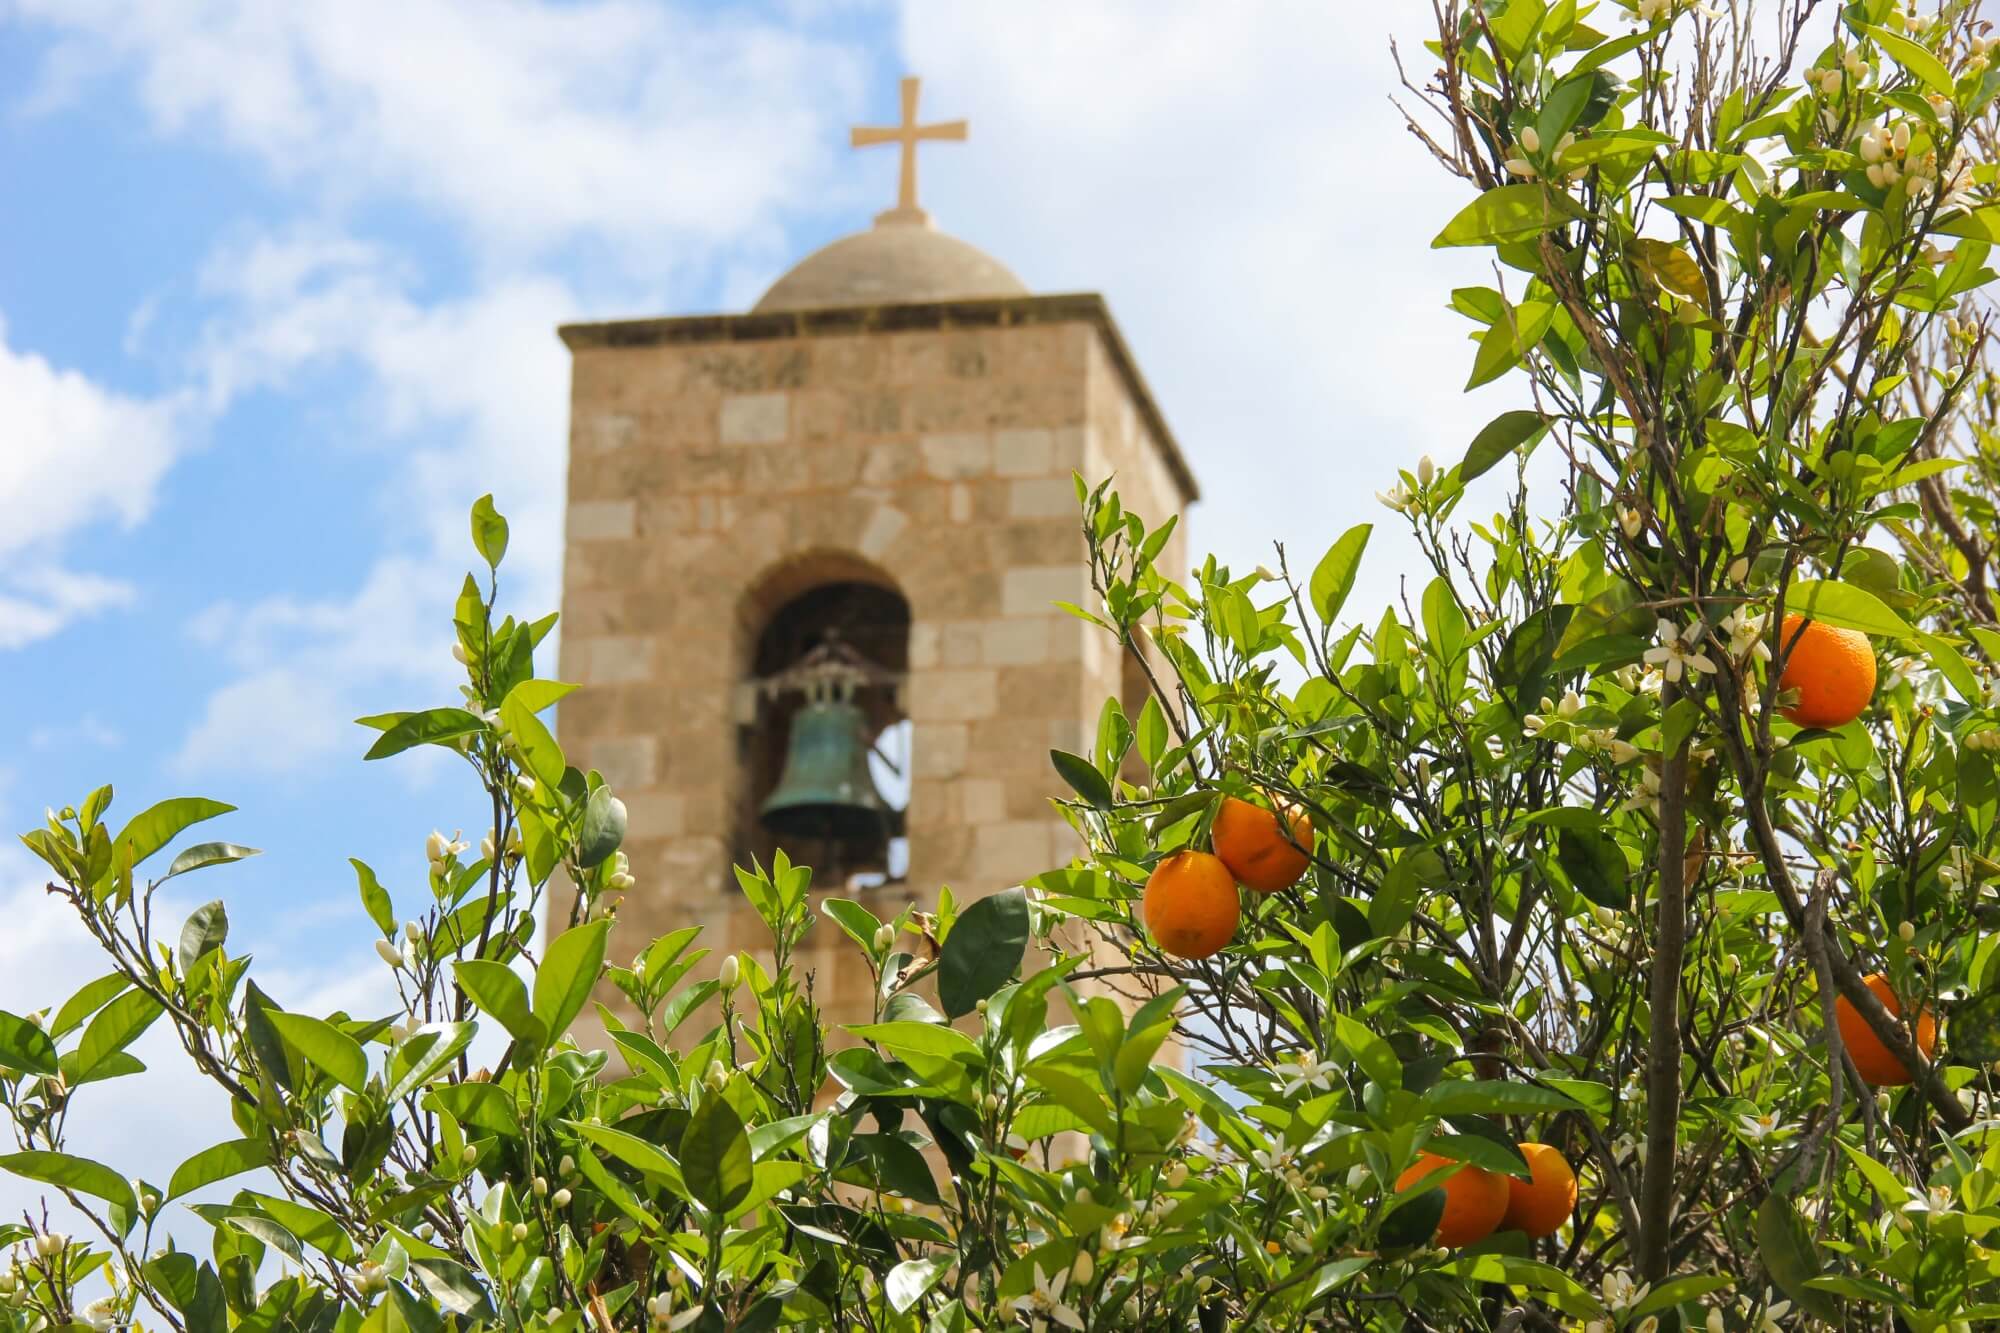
876	457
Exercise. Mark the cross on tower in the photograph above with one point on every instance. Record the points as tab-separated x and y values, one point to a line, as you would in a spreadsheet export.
907	135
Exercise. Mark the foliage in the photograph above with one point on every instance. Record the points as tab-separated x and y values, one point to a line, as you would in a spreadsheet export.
1575	878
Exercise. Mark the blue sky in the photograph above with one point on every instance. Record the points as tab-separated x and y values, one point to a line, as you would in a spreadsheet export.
279	300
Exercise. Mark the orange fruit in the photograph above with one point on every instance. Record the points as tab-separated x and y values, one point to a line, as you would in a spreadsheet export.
1191	904
1878	1067
1541	1205
1832	669
1475	1199
1251	844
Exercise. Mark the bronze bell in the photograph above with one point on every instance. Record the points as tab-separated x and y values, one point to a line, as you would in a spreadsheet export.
826	790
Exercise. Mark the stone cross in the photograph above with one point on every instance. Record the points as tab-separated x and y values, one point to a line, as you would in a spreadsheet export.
907	135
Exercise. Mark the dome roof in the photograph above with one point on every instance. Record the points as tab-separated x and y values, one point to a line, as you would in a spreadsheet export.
893	262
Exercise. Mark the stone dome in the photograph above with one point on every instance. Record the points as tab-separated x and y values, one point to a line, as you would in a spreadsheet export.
891	263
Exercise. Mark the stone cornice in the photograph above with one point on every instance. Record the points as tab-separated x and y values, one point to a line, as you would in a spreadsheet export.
995	312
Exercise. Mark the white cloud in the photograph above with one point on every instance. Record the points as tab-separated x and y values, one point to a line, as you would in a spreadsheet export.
87	732
464	396
668	129
73	454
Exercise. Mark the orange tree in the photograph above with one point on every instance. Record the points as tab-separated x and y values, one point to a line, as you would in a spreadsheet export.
1614	952
1620	840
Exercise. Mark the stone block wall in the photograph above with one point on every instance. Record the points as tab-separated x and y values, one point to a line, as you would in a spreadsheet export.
721	465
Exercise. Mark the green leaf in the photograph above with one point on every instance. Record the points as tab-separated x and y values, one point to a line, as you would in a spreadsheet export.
454	1287
923	1038
635	1152
24	1047
424	1053
1153	735
1790	1257
715	1156
326	1046
375	898
207	927
544	758
535	695
1372	1053
88	999
1082	777
205	854
218	1163
1596	867
1681	1289
498	990
1496	440
489	531
603	828
433	726
1505	213
908	1281
155	827
1492	1097
1333	578
74	1173
1564	1291
1979	224
1846	606
569	970
116	1026
984	949
1913	58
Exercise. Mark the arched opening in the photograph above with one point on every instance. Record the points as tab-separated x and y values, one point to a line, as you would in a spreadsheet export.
824	742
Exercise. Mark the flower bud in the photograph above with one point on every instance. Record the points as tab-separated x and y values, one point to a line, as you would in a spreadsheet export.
436	847
1083	1197
620	882
486	847
1085	1269
980	1008
567	1167
884	937
540	1185
520	1232
389	952
730	973
458	653
1531	139
1426	469
469	1155
1175	1176
560	1199
50	1244
717	1077
1906	932
413	931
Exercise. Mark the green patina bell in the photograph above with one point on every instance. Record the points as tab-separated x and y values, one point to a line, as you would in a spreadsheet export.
826	790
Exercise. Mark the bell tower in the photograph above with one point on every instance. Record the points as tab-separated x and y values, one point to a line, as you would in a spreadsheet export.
812	564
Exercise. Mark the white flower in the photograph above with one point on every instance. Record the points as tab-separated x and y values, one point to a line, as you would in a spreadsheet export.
1396	498
439	849
390	953
1757	1128
1621	752
1045	1302
1647	796
101	1314
1678	650
1273	1160
1632	521
1310	1074
1651	11
1772	1313
1746	635
1620	1291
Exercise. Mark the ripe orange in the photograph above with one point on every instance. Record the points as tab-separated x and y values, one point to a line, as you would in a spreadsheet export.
1250	843
1540	1206
1832	669
1475	1199
1191	905
1878	1067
